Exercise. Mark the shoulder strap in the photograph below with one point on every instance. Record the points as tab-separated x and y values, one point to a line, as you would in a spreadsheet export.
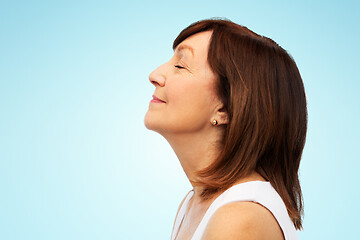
254	191
181	214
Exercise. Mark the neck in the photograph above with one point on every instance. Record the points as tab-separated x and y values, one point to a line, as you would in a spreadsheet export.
195	151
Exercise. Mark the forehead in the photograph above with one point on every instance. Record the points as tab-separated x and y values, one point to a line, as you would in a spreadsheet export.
183	46
196	44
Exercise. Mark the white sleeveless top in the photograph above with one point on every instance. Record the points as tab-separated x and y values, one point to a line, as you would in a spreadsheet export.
255	191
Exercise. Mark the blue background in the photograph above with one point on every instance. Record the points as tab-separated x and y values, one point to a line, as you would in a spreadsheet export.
76	161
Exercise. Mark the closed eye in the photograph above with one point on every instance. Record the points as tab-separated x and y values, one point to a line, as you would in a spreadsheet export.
179	67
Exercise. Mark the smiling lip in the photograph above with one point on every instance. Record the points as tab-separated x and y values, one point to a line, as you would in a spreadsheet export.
156	100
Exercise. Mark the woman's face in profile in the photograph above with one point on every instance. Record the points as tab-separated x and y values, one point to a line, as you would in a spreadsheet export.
186	84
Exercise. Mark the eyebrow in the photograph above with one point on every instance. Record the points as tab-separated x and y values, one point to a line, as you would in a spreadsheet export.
183	46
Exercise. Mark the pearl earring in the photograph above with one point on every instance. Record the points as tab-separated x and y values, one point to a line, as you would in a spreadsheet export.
214	122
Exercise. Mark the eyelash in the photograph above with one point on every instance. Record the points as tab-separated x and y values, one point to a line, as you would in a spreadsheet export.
179	67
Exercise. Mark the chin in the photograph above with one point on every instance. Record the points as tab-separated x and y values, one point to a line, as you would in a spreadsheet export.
165	127
147	121
148	125
150	122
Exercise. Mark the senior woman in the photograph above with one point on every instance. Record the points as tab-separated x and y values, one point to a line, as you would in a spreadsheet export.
232	105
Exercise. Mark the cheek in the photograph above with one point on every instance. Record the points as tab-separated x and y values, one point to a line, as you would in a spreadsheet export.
189	102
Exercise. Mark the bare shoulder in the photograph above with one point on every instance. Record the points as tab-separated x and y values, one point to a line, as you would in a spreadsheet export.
243	221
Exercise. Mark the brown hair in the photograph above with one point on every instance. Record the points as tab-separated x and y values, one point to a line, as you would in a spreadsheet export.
263	94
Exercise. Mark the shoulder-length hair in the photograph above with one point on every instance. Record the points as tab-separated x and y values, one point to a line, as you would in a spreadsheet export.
263	94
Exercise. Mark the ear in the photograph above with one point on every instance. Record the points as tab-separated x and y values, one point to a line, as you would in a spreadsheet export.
221	114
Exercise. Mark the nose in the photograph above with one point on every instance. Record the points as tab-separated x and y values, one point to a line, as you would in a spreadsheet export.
157	77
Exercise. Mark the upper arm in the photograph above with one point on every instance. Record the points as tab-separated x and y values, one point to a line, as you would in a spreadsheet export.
243	221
